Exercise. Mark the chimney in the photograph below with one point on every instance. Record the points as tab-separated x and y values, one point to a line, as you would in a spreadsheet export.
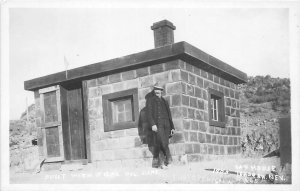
163	33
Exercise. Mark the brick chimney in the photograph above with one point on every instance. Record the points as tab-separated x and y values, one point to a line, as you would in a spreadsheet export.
163	33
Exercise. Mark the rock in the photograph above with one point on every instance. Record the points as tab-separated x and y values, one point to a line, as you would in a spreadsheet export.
71	167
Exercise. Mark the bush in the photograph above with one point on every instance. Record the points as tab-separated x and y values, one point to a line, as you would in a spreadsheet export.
260	89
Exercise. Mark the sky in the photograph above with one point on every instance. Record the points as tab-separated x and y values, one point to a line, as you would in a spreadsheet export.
254	40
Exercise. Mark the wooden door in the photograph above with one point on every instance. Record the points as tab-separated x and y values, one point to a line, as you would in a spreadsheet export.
76	124
73	122
51	124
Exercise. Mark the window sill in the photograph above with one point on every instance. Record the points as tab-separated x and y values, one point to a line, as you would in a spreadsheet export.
120	126
217	123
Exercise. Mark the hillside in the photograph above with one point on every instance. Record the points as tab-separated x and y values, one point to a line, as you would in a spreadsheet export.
266	91
23	154
21	131
263	101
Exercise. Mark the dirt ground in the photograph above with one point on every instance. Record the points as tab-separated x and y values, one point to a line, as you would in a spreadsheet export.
192	173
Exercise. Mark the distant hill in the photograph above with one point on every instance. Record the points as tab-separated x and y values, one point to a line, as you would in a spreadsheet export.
31	111
267	90
22	131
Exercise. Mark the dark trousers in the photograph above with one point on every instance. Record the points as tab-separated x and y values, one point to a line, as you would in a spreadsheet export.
161	140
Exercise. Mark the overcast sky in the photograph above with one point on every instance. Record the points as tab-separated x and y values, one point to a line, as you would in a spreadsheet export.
254	41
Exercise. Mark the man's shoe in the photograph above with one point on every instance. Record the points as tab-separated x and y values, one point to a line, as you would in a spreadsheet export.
164	167
155	163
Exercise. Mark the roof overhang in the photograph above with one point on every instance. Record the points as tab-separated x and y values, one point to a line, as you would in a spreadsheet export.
180	50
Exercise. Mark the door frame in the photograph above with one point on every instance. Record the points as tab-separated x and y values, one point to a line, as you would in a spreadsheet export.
85	99
84	96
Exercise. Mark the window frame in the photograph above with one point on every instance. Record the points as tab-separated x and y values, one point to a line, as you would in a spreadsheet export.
107	101
220	110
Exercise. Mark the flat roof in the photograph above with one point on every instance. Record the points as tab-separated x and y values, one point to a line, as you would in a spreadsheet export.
181	50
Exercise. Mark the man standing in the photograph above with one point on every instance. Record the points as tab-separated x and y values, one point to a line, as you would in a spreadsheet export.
160	120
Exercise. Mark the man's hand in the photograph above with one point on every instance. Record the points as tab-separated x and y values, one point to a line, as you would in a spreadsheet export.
172	131
154	128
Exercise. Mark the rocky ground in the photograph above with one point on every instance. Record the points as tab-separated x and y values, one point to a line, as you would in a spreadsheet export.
260	131
193	173
22	135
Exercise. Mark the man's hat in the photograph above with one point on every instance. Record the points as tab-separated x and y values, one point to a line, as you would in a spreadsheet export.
158	86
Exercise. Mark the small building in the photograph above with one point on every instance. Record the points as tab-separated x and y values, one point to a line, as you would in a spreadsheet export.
96	113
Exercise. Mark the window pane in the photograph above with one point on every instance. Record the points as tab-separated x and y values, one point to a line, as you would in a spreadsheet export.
128	105
215	104
217	108
122	111
120	107
52	142
50	105
214	108
121	117
212	103
215	115
128	115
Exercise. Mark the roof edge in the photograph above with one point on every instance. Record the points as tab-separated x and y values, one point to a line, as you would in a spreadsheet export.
213	63
156	55
180	50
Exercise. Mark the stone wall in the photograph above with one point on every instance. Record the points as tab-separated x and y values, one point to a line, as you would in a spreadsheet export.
127	146
203	140
186	91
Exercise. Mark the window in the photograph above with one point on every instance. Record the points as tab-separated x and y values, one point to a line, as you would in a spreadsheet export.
214	101
216	108
120	110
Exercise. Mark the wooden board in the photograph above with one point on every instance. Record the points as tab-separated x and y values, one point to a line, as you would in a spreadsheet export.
51	113
86	120
52	142
285	141
65	122
76	124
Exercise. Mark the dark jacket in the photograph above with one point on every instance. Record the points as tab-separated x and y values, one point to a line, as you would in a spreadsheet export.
152	107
